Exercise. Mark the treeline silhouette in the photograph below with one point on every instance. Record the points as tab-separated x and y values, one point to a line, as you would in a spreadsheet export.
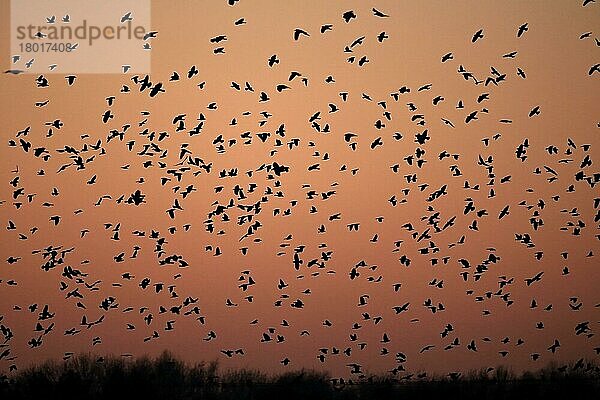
166	377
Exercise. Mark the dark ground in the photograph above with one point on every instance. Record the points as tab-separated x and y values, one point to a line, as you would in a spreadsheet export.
87	377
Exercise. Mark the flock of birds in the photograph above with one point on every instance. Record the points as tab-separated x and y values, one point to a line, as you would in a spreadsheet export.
179	160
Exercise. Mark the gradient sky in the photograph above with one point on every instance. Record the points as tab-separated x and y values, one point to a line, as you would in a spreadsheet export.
555	60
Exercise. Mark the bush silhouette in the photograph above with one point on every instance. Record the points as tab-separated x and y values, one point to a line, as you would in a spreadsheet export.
166	377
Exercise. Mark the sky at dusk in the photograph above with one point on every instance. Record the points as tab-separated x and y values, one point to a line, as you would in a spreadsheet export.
402	186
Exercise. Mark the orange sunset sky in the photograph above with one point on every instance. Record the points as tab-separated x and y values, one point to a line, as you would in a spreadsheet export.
398	190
